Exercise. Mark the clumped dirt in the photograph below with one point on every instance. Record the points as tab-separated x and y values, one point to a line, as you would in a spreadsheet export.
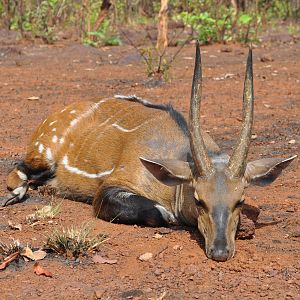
266	267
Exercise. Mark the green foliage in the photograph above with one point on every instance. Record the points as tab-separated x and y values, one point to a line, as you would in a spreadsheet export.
105	36
221	26
211	21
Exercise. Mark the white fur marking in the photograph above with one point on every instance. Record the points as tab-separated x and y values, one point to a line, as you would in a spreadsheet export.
53	122
168	216
36	143
54	129
73	111
77	171
54	139
41	134
125	195
61	141
74	122
22	175
41	148
63	110
19	191
49	155
125	129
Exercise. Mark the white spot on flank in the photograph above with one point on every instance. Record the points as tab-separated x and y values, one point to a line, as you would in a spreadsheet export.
54	129
53	122
77	171
54	139
36	143
41	148
49	155
61	141
125	129
74	122
73	111
22	175
63	110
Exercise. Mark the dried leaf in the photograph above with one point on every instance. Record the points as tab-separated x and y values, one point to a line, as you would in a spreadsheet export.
27	252
36	255
8	260
39	254
14	226
102	260
40	270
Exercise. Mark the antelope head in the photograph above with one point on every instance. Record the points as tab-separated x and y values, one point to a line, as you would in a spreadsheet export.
218	182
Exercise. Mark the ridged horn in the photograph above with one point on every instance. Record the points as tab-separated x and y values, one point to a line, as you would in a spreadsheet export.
199	152
237	162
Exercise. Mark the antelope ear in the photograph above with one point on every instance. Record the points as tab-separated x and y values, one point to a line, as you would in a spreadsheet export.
264	171
168	171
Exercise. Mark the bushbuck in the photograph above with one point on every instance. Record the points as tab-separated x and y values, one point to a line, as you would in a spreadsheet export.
141	163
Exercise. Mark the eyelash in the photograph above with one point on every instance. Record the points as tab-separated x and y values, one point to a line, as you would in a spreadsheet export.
240	203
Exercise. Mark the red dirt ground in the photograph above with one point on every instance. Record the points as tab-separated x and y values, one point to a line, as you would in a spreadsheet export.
266	267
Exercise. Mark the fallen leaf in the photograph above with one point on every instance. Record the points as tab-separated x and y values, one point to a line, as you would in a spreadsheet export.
33	98
40	270
33	255
14	226
8	260
102	260
146	256
39	254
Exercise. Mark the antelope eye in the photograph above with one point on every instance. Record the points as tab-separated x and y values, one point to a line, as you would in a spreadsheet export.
200	203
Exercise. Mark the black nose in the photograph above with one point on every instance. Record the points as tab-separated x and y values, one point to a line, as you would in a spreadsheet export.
218	254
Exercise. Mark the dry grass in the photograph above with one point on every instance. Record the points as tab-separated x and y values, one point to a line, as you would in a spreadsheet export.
75	241
8	249
46	212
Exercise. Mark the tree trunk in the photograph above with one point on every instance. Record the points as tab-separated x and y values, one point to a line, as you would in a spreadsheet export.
162	37
102	15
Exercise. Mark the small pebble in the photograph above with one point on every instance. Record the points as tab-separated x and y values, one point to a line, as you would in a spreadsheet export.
146	256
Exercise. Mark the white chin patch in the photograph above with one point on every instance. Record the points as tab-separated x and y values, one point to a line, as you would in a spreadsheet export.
167	216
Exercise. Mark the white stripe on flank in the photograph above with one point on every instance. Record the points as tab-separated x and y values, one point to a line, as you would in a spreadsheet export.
52	123
86	114
77	171
125	129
